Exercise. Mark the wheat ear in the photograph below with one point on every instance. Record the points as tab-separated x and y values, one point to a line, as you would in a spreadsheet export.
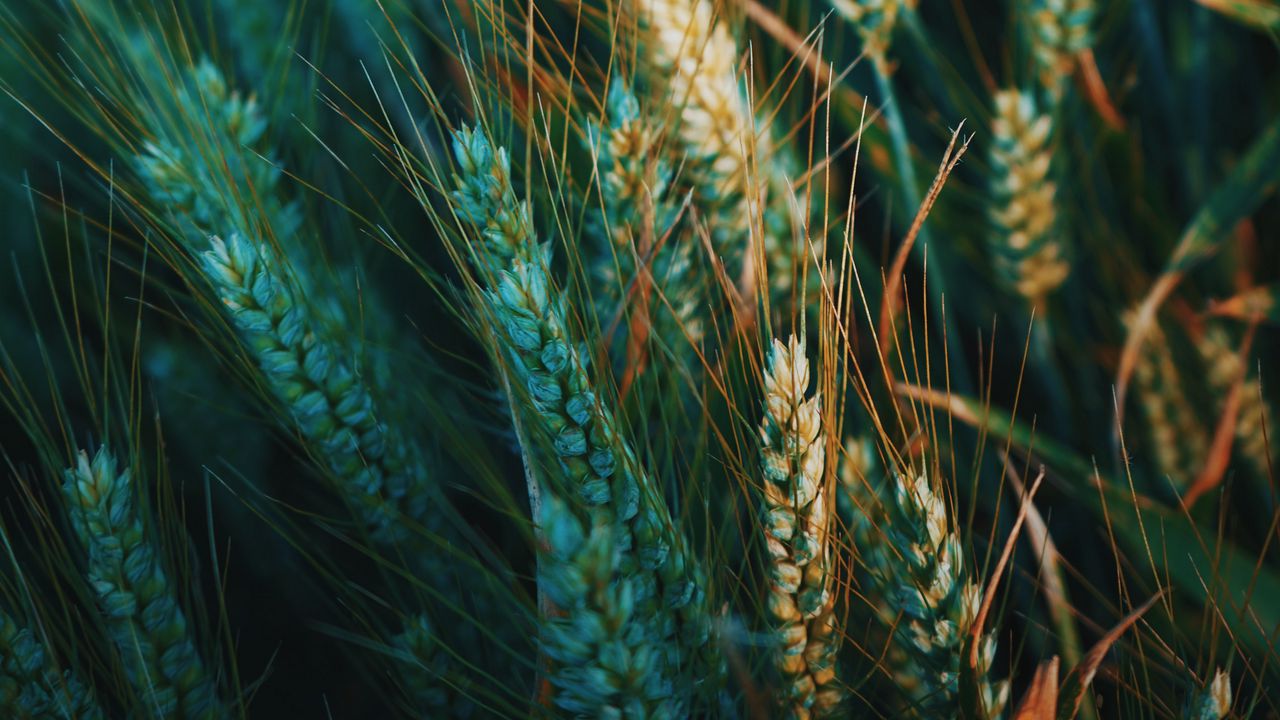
1224	368
567	416
693	51
330	404
139	602
927	596
644	247
1026	245
1179	440
796	520
31	687
1060	29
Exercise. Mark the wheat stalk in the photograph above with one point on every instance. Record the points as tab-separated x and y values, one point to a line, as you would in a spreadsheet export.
139	603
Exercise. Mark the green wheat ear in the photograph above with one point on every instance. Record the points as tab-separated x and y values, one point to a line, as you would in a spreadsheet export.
425	667
639	234
1027	249
598	467
137	599
31	687
917	564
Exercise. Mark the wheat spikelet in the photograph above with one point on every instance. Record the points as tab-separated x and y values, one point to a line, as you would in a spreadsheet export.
1026	243
31	687
596	461
140	605
796	518
917	564
1213	702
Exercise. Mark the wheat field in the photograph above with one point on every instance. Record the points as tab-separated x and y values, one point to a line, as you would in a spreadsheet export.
639	359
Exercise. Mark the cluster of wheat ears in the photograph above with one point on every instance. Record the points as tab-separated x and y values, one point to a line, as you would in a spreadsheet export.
639	358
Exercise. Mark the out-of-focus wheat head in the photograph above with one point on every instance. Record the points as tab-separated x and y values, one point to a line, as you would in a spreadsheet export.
874	21
695	59
31	685
1179	440
1225	368
1028	255
1214	701
1060	29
